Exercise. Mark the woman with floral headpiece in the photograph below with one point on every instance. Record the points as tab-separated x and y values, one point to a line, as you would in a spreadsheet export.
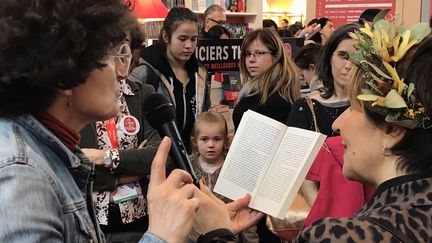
387	135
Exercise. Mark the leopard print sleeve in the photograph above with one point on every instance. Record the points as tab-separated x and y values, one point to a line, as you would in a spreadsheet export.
345	230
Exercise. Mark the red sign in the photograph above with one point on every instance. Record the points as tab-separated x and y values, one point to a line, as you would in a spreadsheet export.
342	12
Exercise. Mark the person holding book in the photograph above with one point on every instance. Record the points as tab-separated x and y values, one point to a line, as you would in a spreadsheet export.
209	148
386	135
271	86
57	57
325	187
171	67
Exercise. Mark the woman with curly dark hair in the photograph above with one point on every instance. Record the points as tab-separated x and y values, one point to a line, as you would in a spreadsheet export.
61	62
59	68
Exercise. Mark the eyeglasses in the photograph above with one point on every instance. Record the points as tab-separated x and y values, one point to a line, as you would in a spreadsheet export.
257	53
219	22
343	55
122	59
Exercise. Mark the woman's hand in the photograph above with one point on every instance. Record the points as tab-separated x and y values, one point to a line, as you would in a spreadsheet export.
242	217
212	213
143	144
171	201
95	156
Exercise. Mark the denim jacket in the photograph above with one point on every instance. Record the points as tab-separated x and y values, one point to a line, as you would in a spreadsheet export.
43	186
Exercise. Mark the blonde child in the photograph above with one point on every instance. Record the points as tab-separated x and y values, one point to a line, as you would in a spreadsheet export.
209	147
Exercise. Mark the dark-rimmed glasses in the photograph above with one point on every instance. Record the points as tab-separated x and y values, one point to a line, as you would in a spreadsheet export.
219	22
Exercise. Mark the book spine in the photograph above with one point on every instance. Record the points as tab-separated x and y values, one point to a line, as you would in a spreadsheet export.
240	6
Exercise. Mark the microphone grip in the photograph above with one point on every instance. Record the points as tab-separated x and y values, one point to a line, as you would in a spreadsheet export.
178	151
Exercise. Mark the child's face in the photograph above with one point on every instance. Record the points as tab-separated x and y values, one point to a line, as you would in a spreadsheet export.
210	143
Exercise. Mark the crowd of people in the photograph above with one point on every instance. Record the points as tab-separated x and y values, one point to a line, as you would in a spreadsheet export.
79	161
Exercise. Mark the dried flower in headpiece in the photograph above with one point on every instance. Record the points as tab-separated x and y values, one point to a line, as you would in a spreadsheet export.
381	45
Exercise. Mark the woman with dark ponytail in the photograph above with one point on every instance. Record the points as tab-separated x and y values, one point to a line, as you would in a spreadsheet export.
173	70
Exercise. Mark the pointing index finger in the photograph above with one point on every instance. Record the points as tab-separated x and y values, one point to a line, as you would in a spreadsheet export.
157	174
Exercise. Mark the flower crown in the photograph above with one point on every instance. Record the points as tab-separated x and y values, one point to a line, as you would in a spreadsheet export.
381	45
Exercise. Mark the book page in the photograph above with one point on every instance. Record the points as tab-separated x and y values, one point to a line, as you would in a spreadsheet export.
251	151
296	153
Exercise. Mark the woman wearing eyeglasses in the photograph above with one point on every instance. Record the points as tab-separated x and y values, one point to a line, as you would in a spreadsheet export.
60	67
171	67
122	161
325	188
271	85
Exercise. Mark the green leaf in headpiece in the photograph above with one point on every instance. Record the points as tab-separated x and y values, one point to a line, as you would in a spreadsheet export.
366	91
400	29
368	97
411	89
381	15
386	26
377	70
394	101
392	118
420	31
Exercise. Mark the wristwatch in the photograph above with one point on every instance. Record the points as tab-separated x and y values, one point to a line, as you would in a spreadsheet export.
107	161
217	236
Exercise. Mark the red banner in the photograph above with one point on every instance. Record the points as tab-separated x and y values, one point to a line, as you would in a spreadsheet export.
341	12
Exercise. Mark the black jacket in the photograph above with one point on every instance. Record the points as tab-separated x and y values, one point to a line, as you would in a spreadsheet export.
189	101
132	161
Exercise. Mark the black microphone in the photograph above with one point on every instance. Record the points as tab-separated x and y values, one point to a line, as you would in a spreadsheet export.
160	113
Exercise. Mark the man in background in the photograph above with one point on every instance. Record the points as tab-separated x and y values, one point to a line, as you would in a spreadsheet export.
213	15
285	23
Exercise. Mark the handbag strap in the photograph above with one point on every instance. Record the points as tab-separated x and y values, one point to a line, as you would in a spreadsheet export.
391	229
311	107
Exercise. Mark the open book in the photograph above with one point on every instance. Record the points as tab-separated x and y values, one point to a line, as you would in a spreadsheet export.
268	160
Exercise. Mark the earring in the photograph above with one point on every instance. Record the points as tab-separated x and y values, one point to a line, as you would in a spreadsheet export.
69	101
387	152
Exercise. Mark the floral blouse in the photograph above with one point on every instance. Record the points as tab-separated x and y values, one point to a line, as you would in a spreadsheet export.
132	209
